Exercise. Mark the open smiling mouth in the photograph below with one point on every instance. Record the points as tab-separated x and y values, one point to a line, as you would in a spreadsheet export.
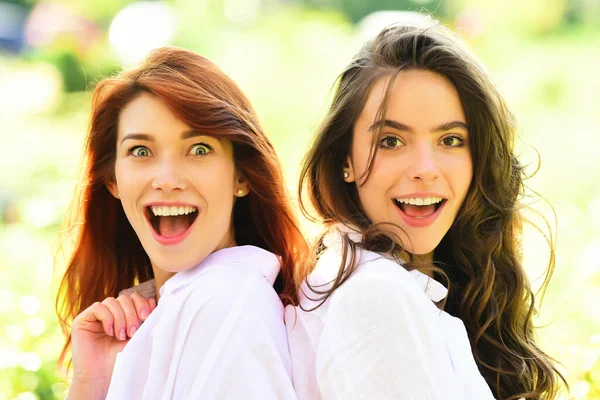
170	223
419	208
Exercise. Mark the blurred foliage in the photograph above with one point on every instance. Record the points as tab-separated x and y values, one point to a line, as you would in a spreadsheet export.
286	55
357	10
78	73
24	3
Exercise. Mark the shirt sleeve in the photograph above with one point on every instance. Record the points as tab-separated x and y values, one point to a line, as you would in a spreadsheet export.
381	340
231	340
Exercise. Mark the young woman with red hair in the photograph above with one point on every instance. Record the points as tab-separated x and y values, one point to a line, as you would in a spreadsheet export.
182	194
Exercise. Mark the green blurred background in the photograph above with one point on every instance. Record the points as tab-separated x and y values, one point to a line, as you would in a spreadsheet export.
544	56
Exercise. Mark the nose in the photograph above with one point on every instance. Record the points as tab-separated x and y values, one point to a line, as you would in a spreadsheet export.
169	177
424	166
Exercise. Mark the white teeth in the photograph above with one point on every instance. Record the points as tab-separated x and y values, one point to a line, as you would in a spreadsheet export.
164	211
420	201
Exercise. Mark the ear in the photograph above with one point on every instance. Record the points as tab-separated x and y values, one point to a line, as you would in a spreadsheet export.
241	187
348	171
112	188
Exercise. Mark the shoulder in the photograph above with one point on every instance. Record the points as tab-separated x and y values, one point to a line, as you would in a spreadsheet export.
380	287
235	271
374	275
381	312
230	289
373	272
380	284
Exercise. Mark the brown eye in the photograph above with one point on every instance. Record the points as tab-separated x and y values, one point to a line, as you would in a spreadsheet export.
452	141
390	142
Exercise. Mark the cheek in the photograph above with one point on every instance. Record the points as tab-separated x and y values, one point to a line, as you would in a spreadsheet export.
462	175
217	186
384	174
374	193
360	154
127	179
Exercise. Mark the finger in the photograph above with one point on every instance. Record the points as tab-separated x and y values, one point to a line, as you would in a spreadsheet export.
120	323
142	306
97	312
131	315
152	302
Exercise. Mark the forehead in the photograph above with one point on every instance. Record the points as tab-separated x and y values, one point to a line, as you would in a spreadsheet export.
418	98
148	113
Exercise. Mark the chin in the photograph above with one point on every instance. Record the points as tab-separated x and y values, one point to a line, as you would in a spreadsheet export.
421	250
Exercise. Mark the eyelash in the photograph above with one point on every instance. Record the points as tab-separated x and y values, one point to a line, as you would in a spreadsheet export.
460	139
134	148
385	138
209	147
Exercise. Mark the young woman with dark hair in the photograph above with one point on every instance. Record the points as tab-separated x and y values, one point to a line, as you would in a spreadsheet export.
183	194
418	291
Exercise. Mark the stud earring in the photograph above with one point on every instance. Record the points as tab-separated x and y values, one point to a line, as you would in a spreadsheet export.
346	174
240	192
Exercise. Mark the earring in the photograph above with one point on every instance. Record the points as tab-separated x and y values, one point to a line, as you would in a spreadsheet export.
118	195
240	192
346	174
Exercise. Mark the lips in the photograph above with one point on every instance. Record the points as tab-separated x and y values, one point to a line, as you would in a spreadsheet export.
419	216
418	211
171	226
170	229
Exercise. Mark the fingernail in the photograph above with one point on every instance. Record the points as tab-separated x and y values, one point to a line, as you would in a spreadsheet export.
122	335
132	331
111	331
144	314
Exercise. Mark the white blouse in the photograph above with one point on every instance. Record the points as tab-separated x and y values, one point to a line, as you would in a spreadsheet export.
217	333
379	335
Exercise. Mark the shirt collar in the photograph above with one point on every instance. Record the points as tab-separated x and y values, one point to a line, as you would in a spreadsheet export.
333	240
267	262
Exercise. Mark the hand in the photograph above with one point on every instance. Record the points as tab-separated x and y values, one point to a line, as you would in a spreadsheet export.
97	334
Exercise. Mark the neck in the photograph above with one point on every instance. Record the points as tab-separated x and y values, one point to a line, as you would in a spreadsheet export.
423	258
426	259
160	277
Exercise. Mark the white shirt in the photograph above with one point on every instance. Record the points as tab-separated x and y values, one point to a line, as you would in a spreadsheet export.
379	335
217	333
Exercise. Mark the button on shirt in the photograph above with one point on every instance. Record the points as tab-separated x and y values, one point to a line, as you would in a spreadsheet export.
379	335
217	333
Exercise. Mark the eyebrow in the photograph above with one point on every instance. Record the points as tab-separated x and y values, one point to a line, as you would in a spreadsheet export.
137	136
402	127
144	136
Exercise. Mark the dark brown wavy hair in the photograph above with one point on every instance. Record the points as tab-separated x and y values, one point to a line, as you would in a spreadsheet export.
103	253
480	255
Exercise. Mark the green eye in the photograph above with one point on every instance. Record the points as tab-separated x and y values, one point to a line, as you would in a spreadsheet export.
200	149
139	151
390	142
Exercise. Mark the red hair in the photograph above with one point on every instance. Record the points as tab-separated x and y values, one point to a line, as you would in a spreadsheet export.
107	255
